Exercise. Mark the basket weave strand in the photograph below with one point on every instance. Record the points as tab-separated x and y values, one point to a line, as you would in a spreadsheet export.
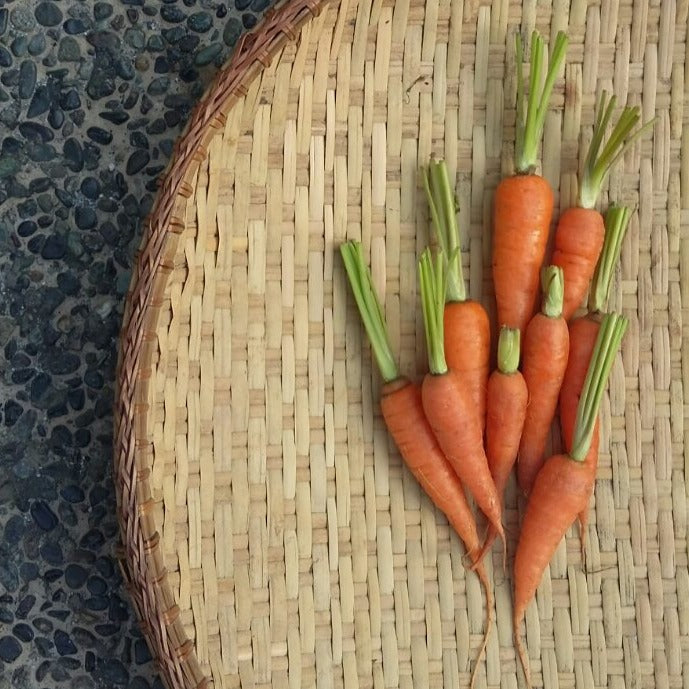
271	536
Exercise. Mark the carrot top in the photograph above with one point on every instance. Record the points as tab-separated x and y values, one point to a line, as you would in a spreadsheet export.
370	309
433	282
508	350
612	329
443	210
531	112
599	162
553	286
616	223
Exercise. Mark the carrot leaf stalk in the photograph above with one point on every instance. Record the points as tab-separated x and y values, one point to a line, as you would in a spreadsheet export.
531	112
612	329
599	162
443	210
508	350
616	223
553	285
370	309
433	283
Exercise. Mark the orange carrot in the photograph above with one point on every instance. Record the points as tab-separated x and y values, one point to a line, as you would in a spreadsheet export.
580	231
406	422
506	401
546	347
467	328
562	487
447	400
523	204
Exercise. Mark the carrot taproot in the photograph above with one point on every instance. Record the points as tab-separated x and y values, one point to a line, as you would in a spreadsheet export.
580	231
523	203
506	401
583	332
466	323
447	400
546	348
404	417
562	487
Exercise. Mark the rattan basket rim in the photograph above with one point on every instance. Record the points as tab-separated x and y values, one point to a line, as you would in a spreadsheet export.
140	556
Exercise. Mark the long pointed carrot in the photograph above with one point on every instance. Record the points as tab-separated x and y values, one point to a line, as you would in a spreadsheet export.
523	204
406	422
466	323
506	402
580	230
546	348
562	487
447	401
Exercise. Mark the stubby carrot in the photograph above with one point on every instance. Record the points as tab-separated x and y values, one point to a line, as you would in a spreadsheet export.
580	230
546	348
466	323
562	487
447	401
506	402
523	204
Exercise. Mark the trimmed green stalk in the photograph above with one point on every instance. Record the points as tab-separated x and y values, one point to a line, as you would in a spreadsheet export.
531	112
612	329
433	281
599	162
370	309
509	350
443	211
616	224
553	286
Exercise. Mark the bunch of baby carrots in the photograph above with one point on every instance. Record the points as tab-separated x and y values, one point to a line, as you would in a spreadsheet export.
463	428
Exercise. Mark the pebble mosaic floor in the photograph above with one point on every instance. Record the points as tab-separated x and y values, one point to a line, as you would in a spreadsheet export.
92	98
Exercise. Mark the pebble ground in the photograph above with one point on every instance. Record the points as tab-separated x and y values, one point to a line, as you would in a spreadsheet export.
92	98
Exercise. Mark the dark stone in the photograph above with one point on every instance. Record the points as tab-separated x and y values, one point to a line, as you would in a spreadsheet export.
41	153
92	540
28	571
44	625
259	5
27	208
23	632
137	161
40	102
93	379
85	218
141	653
22	375
37	45
100	136
135	38
61	363
158	126
200	22
13	411
172	14
138	139
4	13
10	649
35	132
106	629
76	399
56	118
43	515
73	494
232	31
75	576
174	35
96	603
74	26
124	69
249	21
20	46
48	14
189	43
242	5
5	57
9	580
96	586
221	12
44	647
5	614
116	117
89	661
112	671
161	65
74	157
70	100
51	552
63	644
54	247
82	437
14	529
101	84
159	86
102	10
25	606
90	188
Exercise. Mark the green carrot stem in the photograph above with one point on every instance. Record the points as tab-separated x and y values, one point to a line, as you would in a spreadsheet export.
532	111
509	350
616	224
612	329
370	308
599	162
433	281
553	286
443	212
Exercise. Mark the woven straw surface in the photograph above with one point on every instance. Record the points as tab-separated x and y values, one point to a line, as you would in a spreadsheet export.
272	537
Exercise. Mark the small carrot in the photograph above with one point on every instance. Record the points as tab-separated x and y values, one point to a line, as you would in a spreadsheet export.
523	204
506	401
580	230
466	323
583	332
447	400
562	487
406	422
546	348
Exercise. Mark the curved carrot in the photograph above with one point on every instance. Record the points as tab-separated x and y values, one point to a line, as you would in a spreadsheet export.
562	487
580	231
406	422
523	204
546	347
506	401
466	323
447	400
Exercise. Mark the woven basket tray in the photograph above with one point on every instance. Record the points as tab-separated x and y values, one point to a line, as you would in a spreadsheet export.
271	536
